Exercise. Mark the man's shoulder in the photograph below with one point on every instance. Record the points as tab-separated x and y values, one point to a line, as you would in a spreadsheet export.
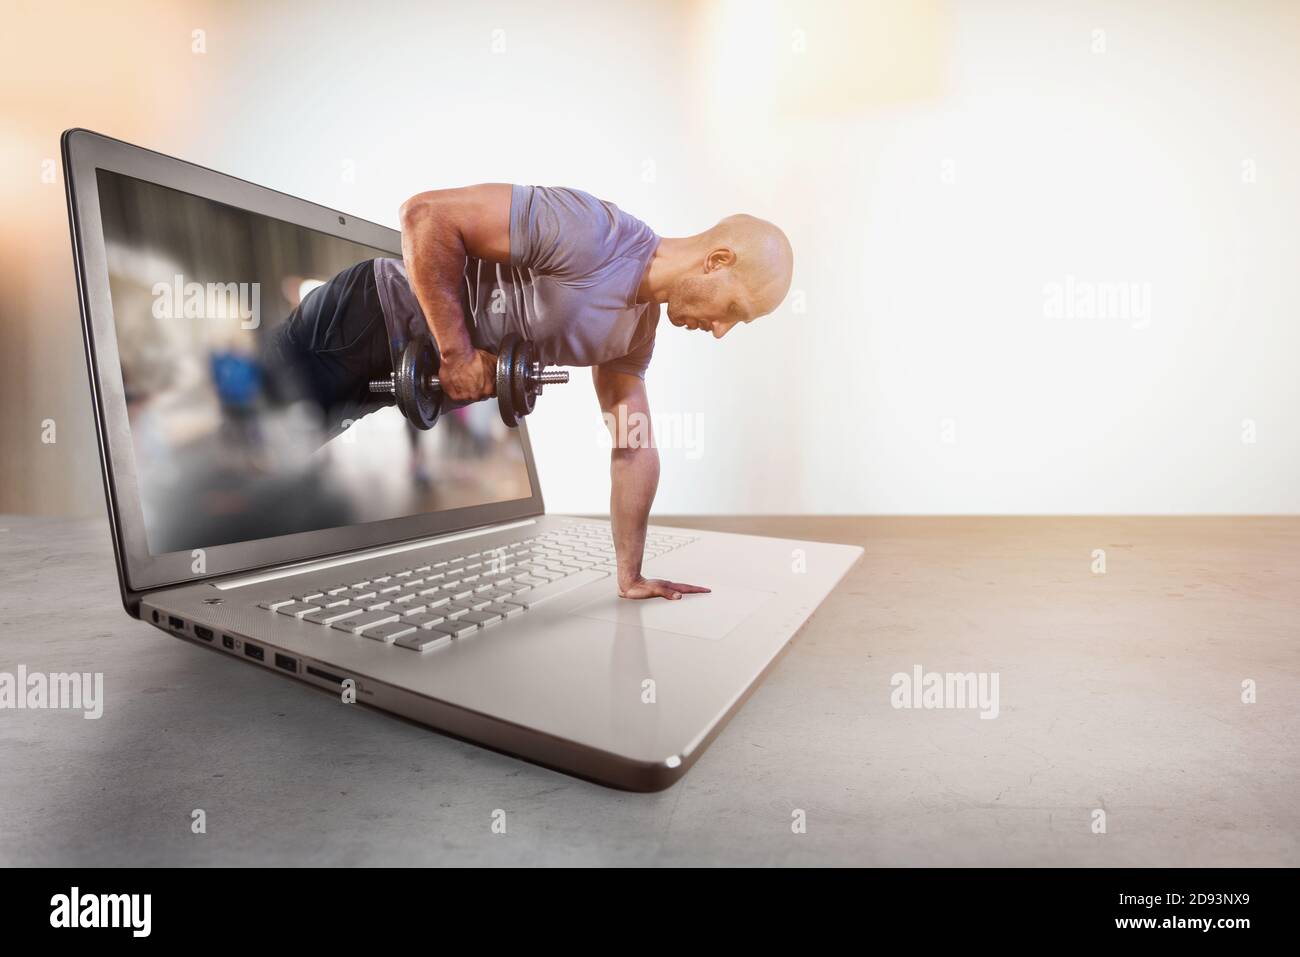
572	230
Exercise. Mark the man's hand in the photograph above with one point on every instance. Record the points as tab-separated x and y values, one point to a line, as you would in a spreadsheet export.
469	376
658	588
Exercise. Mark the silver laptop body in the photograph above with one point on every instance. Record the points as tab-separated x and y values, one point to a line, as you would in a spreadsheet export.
547	663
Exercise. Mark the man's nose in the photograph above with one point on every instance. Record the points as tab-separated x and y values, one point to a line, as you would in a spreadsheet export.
720	329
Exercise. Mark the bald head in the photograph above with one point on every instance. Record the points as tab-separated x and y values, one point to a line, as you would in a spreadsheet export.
732	273
764	260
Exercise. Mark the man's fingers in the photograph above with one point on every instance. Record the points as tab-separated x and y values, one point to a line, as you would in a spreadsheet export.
658	588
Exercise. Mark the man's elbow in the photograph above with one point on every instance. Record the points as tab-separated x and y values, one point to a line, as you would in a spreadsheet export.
419	208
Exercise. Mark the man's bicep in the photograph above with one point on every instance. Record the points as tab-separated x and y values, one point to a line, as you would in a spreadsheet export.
479	215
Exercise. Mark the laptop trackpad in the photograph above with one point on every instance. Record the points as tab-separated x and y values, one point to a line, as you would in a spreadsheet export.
699	616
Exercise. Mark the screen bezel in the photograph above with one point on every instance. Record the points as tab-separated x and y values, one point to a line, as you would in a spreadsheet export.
84	152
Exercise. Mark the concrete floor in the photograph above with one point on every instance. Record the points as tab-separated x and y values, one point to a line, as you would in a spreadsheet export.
1119	692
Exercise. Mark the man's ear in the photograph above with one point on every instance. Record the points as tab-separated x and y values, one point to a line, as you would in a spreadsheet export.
718	258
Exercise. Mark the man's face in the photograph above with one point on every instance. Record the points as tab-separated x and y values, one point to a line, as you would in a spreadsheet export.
711	302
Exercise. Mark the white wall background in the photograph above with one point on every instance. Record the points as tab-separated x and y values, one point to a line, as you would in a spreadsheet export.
937	166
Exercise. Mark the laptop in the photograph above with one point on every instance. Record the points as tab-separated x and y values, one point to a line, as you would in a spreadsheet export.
416	572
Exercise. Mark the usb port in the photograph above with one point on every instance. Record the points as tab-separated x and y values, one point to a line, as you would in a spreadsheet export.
287	663
176	623
254	651
201	632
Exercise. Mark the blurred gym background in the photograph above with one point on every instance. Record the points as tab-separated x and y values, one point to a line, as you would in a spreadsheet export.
1044	254
231	447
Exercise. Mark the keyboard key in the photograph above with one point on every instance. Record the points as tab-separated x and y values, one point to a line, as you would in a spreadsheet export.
355	593
297	609
454	629
541	571
390	632
504	609
273	604
310	594
482	618
365	620
425	619
328	616
424	640
458	608
408	608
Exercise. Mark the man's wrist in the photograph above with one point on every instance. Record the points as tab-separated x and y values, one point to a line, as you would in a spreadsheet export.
456	355
455	348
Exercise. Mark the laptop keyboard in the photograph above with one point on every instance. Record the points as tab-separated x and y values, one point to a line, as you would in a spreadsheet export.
428	606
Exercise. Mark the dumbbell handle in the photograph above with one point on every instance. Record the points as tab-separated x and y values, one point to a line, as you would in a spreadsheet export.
539	375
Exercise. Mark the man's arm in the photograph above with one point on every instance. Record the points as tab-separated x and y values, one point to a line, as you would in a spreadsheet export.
440	229
634	477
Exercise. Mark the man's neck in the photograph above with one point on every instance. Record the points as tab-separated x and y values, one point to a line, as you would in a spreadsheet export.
674	257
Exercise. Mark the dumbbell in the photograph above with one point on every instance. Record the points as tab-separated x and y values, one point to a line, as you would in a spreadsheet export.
415	388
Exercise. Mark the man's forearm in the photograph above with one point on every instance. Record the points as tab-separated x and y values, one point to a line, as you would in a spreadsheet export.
634	477
434	252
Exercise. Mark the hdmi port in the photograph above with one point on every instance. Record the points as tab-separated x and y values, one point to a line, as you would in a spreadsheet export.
254	651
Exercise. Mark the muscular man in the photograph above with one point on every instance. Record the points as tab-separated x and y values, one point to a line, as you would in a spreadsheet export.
577	275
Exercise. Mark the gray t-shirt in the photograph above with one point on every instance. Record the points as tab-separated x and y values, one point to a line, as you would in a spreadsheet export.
575	265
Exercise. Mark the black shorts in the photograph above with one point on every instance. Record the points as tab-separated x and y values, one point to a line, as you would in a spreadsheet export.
331	346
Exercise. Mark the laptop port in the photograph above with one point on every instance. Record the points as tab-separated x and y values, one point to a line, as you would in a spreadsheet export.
204	633
324	675
228	642
176	623
254	651
287	663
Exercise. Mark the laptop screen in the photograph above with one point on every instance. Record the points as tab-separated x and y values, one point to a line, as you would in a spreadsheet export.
246	345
